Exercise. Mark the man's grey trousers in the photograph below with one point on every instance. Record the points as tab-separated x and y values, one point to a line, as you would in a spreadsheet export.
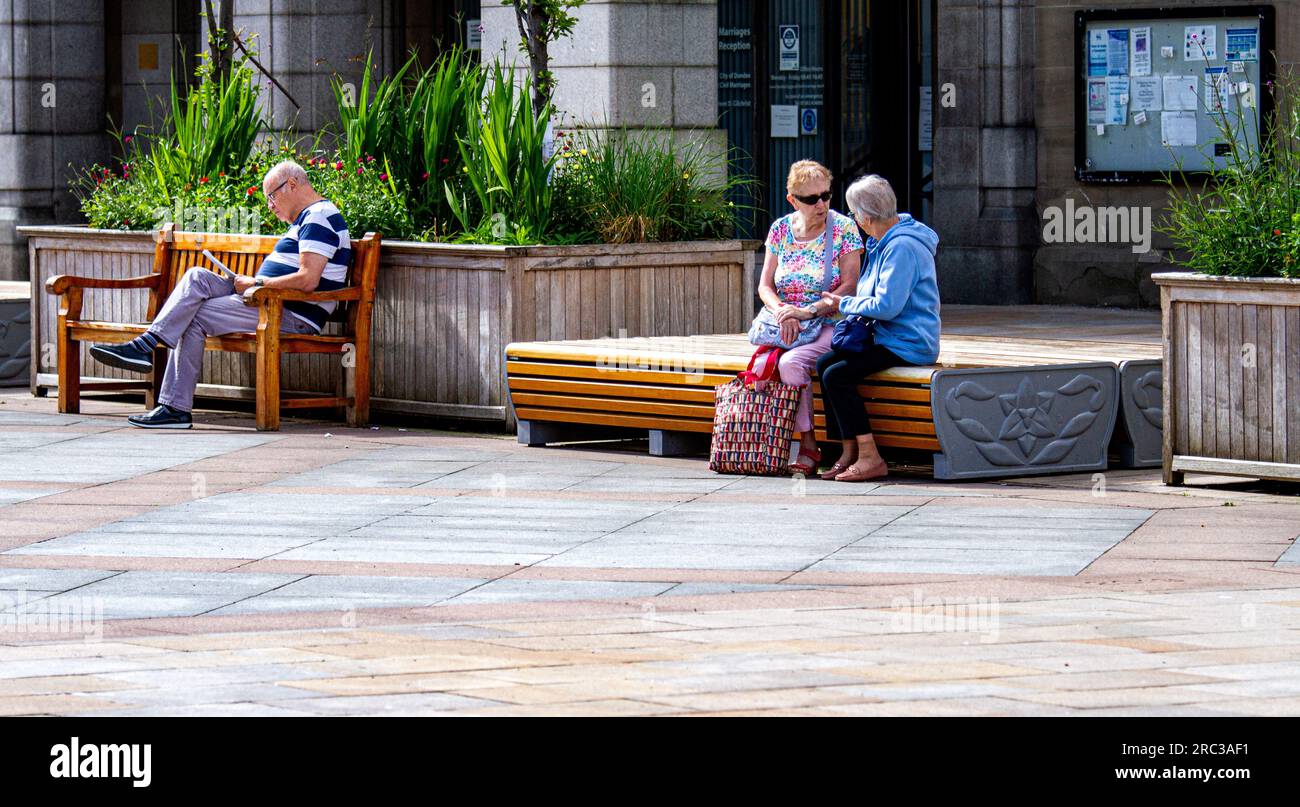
203	304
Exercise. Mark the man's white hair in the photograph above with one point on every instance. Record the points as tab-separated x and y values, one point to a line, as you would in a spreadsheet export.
872	197
286	170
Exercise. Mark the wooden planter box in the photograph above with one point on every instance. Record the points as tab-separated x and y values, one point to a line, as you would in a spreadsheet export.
443	314
1231	375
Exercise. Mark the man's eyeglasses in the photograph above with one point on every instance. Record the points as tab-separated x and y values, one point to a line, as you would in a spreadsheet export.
270	197
814	198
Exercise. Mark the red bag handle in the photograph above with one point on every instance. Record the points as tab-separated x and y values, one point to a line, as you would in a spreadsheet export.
748	376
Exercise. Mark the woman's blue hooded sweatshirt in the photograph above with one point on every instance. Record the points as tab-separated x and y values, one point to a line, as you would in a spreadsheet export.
899	289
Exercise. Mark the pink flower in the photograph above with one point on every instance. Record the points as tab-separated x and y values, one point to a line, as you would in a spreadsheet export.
360	170
383	177
339	165
425	175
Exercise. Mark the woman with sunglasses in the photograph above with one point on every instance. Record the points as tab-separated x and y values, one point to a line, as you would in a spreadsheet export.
792	283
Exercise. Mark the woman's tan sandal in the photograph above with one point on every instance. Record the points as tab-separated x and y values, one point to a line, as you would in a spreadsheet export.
855	475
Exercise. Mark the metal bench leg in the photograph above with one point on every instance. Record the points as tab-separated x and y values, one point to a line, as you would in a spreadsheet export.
541	432
675	444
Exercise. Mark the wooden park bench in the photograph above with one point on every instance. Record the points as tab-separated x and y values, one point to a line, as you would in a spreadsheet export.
174	253
992	407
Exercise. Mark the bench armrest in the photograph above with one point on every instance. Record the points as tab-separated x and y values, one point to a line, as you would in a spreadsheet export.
268	295
59	284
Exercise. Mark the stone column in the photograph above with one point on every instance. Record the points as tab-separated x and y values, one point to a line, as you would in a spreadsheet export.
304	42
51	114
985	151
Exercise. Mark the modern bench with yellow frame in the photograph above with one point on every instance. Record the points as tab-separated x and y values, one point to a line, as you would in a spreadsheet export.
991	408
174	253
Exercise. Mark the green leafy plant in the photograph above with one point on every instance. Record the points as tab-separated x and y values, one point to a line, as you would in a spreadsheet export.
632	187
452	151
211	129
367	193
504	165
414	119
1243	218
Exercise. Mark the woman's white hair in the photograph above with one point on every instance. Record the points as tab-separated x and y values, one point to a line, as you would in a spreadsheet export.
872	197
286	170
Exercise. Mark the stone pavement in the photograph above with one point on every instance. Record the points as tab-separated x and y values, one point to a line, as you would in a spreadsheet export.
323	570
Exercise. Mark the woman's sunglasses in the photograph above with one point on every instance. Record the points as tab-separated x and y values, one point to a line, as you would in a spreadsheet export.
814	198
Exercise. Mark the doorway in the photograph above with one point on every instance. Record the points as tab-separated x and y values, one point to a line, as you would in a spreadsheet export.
843	82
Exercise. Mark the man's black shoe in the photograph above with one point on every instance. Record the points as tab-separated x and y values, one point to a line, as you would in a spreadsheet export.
124	357
162	417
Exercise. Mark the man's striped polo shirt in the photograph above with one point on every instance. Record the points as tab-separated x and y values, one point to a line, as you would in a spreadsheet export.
319	228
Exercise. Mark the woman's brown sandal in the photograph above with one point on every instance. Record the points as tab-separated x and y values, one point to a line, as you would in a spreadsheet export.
835	470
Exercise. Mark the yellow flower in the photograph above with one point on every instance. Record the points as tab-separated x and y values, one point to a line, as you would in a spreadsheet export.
686	175
583	152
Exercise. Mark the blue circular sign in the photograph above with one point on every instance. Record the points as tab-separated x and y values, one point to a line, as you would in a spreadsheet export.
809	121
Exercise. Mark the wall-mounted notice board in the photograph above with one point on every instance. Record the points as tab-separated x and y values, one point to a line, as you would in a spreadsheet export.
1154	86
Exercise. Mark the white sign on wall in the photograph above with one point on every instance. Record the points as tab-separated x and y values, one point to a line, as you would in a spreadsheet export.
785	120
788	39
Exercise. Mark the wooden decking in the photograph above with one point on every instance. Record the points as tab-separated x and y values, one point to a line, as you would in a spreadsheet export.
665	384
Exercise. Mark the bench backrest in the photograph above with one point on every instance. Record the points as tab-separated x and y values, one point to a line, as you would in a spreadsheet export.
175	252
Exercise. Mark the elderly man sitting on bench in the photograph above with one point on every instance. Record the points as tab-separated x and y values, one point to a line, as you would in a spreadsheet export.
312	256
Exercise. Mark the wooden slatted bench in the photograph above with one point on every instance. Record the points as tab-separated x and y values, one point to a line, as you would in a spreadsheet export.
174	253
991	407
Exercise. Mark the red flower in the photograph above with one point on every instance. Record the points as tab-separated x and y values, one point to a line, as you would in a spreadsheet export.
251	191
202	180
339	165
425	175
1277	232
221	173
445	160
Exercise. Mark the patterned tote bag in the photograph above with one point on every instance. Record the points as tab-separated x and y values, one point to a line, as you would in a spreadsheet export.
753	423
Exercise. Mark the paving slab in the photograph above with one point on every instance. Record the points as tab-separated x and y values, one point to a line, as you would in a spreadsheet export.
49	580
97	458
511	590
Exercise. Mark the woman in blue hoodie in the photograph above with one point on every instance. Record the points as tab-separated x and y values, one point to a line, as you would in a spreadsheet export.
900	291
